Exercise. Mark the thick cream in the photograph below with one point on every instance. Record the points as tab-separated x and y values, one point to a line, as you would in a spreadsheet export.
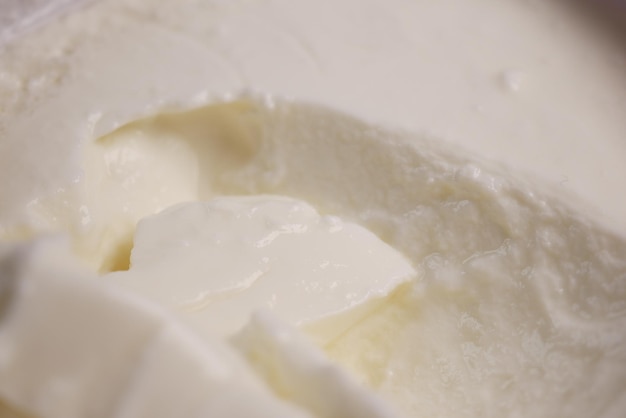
219	261
519	305
73	347
517	81
518	302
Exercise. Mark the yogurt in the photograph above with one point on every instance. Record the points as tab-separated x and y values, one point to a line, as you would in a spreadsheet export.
513	300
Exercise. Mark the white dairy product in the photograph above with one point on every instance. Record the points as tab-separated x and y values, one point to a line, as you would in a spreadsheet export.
221	260
71	347
296	371
109	354
396	62
519	304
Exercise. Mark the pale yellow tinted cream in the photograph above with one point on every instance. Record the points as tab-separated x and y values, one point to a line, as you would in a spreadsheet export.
514	302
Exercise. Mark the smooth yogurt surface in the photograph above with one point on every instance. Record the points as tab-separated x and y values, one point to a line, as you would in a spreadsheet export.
470	153
536	85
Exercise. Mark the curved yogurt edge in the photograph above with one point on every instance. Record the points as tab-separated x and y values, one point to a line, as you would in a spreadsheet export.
521	95
512	280
577	328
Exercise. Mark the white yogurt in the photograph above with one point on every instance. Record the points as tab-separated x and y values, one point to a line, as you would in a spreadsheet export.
519	305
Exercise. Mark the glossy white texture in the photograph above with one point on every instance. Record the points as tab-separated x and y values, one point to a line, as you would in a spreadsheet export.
219	261
445	68
519	306
72	347
519	300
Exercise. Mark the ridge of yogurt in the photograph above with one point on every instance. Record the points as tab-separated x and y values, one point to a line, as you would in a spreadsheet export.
519	305
519	302
540	85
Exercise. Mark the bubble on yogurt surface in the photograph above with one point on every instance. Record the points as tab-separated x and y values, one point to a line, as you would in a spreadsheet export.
512	81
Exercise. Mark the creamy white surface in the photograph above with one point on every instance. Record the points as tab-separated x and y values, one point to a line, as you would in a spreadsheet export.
70	347
219	261
519	308
514	80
